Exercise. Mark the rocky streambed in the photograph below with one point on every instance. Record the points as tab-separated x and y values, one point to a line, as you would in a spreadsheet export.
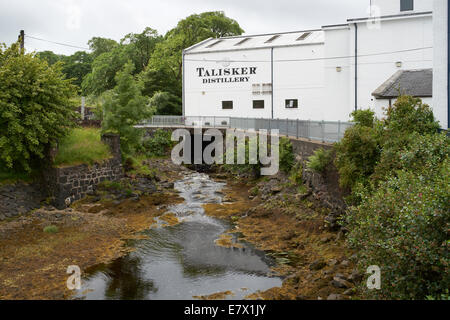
187	236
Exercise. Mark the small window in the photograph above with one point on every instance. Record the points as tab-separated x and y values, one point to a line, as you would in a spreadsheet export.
291	103
242	41
406	5
273	38
227	105
304	36
258	104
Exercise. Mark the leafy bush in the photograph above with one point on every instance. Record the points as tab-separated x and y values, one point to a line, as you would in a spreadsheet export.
287	158
320	160
51	229
406	121
358	153
159	144
296	176
403	228
36	109
365	118
82	146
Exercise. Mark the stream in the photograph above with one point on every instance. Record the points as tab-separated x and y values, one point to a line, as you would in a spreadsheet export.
183	261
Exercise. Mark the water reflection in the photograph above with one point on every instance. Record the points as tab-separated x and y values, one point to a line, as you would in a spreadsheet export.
183	261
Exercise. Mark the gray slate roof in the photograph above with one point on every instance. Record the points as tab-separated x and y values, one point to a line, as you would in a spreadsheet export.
416	83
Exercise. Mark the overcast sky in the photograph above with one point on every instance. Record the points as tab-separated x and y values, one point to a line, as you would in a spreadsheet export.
76	21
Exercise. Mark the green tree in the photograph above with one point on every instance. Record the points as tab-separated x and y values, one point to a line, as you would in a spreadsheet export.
168	54
104	70
165	103
49	56
77	66
125	107
35	107
100	45
140	46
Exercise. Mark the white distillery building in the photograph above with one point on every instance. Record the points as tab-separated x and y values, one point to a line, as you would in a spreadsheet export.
320	74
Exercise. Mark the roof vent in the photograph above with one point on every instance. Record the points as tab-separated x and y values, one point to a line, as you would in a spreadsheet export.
242	41
214	44
273	38
304	36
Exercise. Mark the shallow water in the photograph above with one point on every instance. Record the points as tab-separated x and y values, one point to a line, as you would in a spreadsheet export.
182	261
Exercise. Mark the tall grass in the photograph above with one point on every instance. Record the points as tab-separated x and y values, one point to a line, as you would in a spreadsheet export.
82	146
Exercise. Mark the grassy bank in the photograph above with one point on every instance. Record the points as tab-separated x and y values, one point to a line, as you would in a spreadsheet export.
82	146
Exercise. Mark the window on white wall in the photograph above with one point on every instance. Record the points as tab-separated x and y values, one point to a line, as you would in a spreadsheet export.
227	105
258	104
406	5
291	103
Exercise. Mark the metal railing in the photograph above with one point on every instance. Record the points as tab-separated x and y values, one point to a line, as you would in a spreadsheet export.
325	131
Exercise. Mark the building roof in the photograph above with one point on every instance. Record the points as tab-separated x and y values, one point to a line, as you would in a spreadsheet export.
416	83
248	42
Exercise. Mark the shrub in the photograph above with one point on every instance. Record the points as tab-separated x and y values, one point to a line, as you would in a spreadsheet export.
51	229
36	109
287	158
403	228
320	160
406	121
159	144
82	146
296	176
365	118
357	154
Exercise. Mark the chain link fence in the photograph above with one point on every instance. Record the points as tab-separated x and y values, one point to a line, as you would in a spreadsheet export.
325	131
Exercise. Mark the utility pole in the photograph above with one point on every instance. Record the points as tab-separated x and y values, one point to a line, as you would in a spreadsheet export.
22	41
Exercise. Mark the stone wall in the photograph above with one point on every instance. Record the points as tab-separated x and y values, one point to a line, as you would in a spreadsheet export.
68	184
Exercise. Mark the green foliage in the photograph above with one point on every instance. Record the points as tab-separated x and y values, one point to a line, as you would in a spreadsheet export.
104	70
320	160
167	57
82	146
51	229
407	120
136	166
11	177
159	144
49	56
296	176
409	115
403	227
36	109
400	217
357	154
365	118
165	103
77	66
99	46
287	158
125	107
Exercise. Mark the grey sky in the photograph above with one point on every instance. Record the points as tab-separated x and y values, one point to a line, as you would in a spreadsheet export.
77	21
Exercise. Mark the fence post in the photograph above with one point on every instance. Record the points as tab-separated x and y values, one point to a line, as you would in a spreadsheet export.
323	131
296	128
339	131
309	129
